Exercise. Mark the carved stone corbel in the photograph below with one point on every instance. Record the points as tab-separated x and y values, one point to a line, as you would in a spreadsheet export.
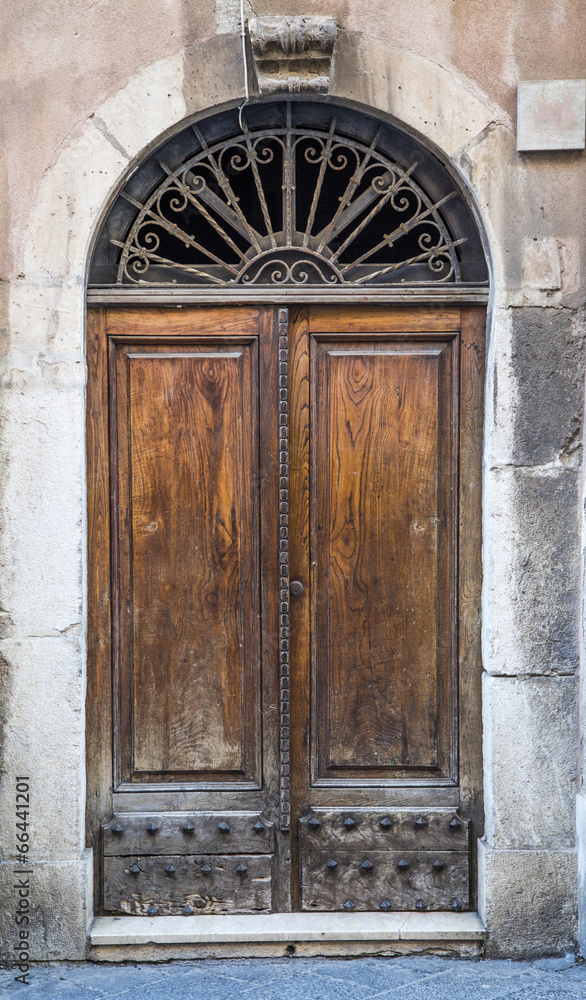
292	54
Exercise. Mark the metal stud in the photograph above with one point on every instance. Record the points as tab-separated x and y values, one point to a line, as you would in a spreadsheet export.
117	828
258	827
402	864
349	823
385	823
205	869
420	905
366	865
152	828
170	870
331	864
242	869
349	905
438	865
223	827
385	905
420	822
456	905
314	822
135	869
188	828
152	911
187	911
455	824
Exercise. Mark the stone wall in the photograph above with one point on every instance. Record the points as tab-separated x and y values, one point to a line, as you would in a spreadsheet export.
86	93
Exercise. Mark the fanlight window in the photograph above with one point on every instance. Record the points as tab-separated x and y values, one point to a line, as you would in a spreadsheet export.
289	193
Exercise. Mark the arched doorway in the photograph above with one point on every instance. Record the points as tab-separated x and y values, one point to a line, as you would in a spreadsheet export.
286	348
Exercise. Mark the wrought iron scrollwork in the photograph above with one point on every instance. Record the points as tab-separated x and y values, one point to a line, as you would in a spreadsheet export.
288	204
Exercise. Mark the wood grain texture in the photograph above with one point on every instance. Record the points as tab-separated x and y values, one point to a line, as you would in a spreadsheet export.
337	421
472	376
385	830
299	427
205	883
230	321
408	881
188	833
369	319
99	671
383	467
188	530
270	611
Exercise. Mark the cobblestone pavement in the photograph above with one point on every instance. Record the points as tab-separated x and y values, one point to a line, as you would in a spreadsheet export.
306	979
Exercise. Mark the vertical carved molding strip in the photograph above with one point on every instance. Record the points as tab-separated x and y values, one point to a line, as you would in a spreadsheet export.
284	663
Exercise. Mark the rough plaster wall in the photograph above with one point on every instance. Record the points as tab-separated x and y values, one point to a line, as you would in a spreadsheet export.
87	86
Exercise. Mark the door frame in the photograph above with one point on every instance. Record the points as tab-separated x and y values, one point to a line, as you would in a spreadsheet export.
470	317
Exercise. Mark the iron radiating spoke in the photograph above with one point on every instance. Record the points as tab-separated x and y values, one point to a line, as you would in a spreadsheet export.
399	232
252	154
226	188
173	229
255	173
187	192
361	204
148	255
288	184
353	185
438	251
319	183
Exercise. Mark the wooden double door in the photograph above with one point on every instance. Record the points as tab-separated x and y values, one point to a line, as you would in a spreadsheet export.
284	579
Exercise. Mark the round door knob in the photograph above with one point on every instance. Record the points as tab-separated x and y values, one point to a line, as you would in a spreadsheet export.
296	588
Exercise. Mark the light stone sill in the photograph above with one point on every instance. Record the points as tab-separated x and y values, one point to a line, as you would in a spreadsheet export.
287	927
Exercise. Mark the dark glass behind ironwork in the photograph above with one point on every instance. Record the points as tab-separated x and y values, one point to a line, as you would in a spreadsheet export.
289	193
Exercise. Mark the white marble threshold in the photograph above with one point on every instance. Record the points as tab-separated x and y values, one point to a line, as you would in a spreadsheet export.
287	927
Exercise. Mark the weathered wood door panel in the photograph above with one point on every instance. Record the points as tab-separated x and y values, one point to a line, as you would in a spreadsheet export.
383	474
186	477
197	733
386	421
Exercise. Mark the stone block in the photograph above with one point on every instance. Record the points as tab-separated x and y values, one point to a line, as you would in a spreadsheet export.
213	73
47	319
43	737
528	902
532	571
547	358
581	844
530	739
60	908
292	53
143	110
69	201
415	90
551	114
541	263
42	497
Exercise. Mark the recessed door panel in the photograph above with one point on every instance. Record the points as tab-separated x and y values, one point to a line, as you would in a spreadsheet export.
383	475
283	699
188	545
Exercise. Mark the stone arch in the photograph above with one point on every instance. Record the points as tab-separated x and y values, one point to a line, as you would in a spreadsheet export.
450	117
48	301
